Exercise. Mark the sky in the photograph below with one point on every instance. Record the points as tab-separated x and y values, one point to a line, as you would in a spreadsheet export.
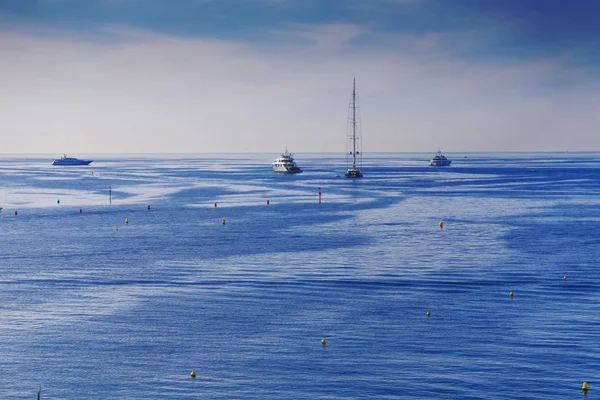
234	76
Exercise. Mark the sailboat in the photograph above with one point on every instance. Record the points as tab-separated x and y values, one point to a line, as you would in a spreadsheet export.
355	151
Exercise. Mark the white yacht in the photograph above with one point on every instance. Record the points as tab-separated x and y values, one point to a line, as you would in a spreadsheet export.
354	169
70	161
285	163
439	160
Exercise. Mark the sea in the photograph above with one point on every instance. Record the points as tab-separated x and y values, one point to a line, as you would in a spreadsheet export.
476	281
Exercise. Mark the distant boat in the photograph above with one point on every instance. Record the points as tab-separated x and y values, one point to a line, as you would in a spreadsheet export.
285	163
68	161
354	170
439	160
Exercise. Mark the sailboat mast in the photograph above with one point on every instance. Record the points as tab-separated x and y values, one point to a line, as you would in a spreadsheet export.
354	122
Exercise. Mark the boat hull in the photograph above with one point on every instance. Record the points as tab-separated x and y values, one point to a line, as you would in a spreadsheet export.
353	173
438	163
287	171
71	163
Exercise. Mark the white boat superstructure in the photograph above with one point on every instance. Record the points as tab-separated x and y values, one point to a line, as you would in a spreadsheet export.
439	160
285	163
355	151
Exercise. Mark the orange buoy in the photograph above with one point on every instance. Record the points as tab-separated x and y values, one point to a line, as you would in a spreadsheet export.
80	210
148	206
267	202
215	204
16	213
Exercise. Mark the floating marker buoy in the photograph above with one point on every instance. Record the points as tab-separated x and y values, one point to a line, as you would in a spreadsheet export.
80	211
117	228
148	207
223	221
58	201
511	294
126	220
267	202
584	387
564	278
193	374
215	204
323	342
16	213
428	313
441	224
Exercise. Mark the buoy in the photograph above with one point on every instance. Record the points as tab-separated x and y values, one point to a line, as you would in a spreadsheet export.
323	342
441	224
215	204
148	207
267	202
223	221
184	211
16	213
428	313
193	374
11	227
511	294
158	216
80	210
117	228
564	278
584	387
319	195
126	220
58	201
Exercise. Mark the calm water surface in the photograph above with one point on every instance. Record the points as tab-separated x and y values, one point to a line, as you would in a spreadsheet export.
92	307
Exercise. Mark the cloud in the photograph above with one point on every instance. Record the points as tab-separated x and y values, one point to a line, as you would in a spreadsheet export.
148	92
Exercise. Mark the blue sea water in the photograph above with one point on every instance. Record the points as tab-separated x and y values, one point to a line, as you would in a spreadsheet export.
94	308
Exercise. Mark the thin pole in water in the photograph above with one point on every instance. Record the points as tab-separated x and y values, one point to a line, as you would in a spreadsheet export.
110	195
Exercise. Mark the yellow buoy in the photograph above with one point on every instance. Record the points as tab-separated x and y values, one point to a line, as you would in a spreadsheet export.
441	224
117	228
428	314
564	278
223	221
511	294
323	342
193	374
584	387
126	220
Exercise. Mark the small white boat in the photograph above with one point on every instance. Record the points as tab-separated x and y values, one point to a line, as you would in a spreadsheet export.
439	160
285	163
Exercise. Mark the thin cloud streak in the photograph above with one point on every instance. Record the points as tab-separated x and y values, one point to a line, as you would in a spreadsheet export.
146	92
